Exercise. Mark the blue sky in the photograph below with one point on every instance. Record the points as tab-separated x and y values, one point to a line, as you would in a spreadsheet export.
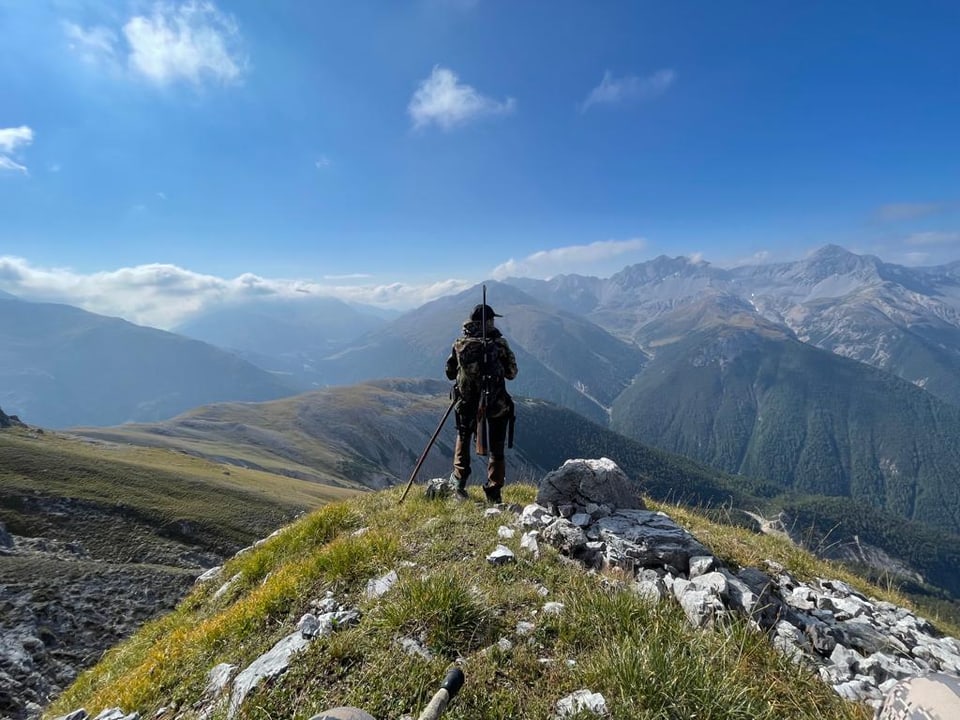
175	153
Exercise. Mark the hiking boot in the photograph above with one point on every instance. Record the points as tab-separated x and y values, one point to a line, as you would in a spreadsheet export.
459	486
493	494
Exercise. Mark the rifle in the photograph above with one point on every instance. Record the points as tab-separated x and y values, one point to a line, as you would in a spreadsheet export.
483	428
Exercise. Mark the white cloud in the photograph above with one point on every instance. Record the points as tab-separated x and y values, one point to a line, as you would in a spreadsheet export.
91	44
348	276
11	139
443	100
612	91
191	41
163	295
933	238
8	164
321	162
162	195
573	258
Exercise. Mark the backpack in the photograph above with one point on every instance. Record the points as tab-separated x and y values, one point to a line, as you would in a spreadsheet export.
469	352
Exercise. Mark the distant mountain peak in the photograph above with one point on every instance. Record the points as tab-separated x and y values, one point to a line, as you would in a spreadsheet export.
832	251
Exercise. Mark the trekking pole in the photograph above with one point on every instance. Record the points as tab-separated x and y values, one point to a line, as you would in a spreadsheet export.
451	686
427	449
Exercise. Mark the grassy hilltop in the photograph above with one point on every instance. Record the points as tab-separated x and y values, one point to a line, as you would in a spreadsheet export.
645	659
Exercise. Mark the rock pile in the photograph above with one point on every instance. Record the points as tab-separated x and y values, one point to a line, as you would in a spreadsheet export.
861	646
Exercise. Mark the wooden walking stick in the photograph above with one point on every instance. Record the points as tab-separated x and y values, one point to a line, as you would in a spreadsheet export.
427	449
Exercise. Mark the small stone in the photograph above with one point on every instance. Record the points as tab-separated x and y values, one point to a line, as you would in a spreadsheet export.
209	575
713	582
534	515
582	701
380	585
222	590
413	647
492	512
553	608
505	533
651	591
327	605
111	714
309	625
505	644
80	714
529	543
701	565
525	628
581	519
501	556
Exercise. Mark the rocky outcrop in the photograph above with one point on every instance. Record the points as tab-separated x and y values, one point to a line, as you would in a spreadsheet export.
10	420
861	646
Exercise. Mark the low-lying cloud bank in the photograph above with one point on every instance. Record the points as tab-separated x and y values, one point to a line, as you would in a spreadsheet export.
163	295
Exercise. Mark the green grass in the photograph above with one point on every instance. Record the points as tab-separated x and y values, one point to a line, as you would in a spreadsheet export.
646	659
223	505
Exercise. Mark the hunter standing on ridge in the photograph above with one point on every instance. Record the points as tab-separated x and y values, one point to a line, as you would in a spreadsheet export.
480	361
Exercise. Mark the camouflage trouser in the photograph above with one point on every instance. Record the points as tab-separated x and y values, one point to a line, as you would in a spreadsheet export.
496	440
931	697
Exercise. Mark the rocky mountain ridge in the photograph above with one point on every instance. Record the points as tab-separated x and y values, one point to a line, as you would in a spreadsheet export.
905	320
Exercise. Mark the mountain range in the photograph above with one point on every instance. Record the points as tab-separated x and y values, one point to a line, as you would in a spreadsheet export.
62	366
835	375
902	320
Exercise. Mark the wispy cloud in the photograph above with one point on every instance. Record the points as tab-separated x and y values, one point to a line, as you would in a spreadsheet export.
613	91
92	44
11	140
349	276
164	295
573	258
894	212
933	238
192	41
443	100
321	162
